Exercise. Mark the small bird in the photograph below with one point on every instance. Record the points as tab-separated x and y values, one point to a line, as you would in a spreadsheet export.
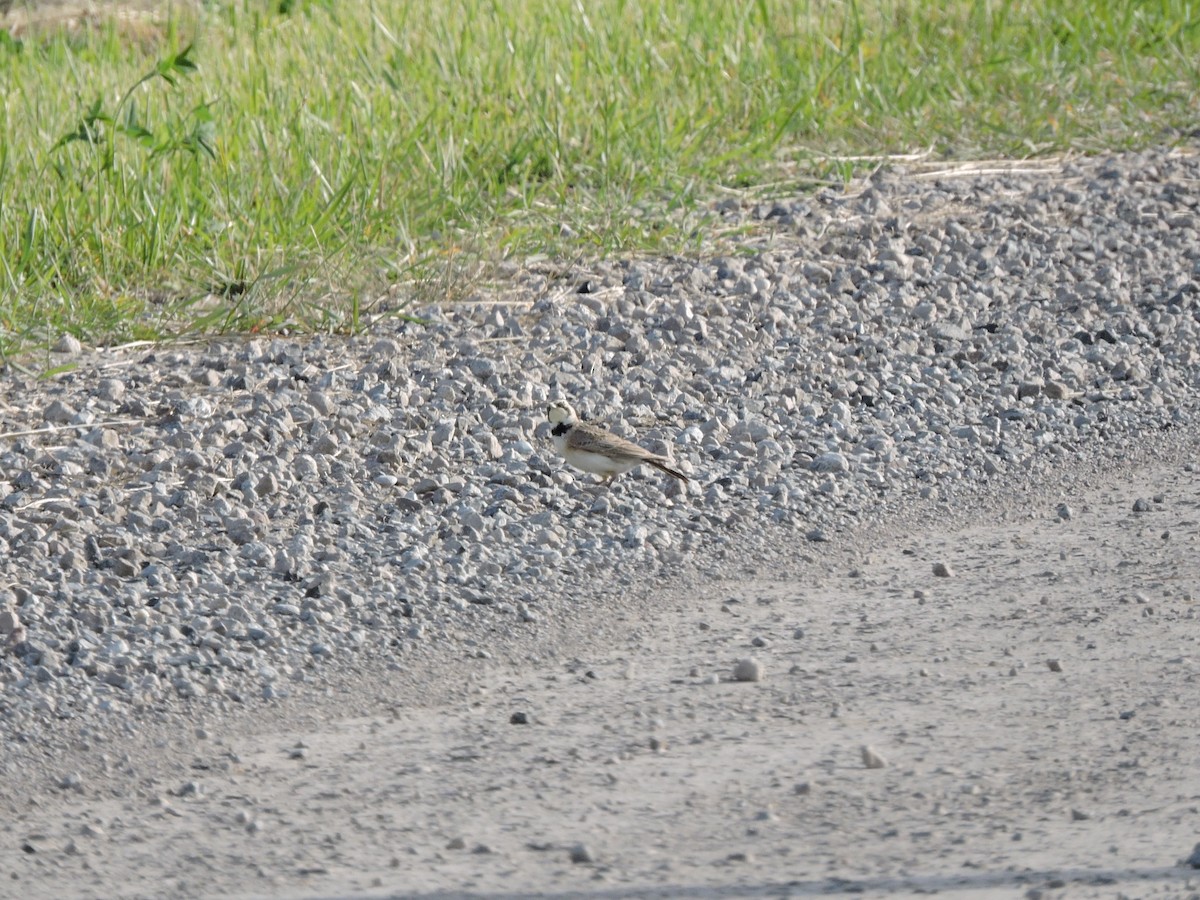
595	450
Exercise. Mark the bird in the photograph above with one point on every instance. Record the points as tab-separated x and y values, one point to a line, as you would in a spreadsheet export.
595	450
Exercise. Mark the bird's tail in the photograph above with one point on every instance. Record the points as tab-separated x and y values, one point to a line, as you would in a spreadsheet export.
663	467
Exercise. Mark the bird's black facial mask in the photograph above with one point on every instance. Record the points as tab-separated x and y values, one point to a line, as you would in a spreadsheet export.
560	429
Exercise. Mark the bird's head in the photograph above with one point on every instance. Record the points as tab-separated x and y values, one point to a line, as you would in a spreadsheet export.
560	412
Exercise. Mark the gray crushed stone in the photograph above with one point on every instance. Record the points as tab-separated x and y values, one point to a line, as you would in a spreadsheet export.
219	522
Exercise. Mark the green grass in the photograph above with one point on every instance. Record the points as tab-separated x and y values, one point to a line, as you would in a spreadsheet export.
257	166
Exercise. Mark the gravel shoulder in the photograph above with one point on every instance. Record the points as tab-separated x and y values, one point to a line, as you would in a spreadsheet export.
644	769
268	608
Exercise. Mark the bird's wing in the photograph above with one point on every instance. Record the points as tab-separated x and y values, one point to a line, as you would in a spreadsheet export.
590	439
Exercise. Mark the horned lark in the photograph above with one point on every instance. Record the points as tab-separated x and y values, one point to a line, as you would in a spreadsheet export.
595	450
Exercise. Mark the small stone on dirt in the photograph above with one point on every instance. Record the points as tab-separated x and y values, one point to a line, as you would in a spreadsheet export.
580	853
748	669
871	759
68	344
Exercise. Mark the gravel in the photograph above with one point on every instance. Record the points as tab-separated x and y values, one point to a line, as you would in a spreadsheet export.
216	523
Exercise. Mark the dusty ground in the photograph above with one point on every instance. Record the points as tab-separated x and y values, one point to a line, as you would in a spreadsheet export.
666	778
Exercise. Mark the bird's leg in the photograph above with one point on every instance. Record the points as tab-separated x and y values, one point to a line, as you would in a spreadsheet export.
604	484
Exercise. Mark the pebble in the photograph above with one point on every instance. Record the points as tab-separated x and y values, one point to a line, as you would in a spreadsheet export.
830	462
581	853
871	759
58	413
941	570
748	669
227	510
9	622
68	344
1054	665
1056	390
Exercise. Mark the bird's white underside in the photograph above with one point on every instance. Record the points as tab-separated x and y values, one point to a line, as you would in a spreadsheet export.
598	463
